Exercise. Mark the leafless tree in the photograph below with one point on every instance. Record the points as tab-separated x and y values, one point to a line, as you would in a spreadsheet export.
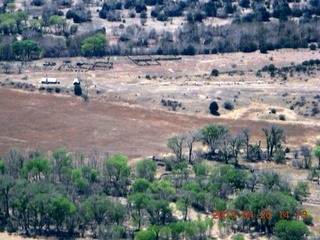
246	139
236	144
306	152
7	66
275	135
191	137
143	21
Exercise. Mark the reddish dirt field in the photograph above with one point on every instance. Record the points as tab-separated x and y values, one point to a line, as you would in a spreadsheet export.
48	121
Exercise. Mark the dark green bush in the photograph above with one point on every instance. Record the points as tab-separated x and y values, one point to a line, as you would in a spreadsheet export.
215	72
282	117
77	90
214	108
263	49
228	105
214	51
313	47
249	47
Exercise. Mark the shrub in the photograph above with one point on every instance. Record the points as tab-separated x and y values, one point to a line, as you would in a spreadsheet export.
309	219
238	237
70	14
263	49
249	47
279	157
190	50
57	90
273	111
214	51
214	108
143	14
228	105
37	3
272	68
282	117
161	17
270	46
215	72
77	90
206	51
198	17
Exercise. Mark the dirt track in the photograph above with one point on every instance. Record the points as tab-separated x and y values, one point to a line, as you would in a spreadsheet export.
47	121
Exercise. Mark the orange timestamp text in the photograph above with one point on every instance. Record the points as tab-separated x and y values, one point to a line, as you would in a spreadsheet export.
262	214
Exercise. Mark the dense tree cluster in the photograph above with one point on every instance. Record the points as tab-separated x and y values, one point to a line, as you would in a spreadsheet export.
248	32
67	194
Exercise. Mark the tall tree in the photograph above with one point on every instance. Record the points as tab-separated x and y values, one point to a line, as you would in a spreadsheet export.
94	46
138	202
61	209
146	169
316	153
275	135
190	138
6	184
176	145
212	133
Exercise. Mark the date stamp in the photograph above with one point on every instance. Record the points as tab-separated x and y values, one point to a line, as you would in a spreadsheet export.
264	214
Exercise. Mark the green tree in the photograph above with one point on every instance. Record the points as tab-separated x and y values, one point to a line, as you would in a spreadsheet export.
316	153
212	133
162	190
21	201
37	167
145	235
301	190
40	206
81	183
6	184
26	49
59	23
62	162
117	167
146	169
61	209
140	185
176	145
291	230
187	197
138	203
159	211
97	208
94	46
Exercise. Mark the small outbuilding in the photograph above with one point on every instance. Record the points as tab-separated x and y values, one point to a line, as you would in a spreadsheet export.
49	81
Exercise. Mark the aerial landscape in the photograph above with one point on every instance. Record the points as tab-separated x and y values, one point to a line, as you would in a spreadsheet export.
159	119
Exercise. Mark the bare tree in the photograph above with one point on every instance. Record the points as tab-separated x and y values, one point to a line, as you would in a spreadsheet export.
306	152
143	21
191	137
275	135
7	66
224	143
236	144
246	139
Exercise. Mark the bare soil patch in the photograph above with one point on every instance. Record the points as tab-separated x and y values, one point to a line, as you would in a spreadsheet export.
48	121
